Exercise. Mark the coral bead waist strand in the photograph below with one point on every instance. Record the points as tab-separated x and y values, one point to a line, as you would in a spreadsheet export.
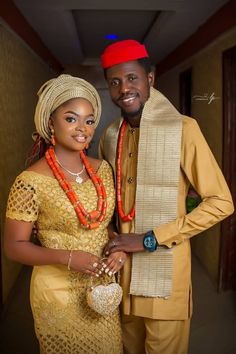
124	217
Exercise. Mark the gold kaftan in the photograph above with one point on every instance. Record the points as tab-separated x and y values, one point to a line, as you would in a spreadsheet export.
198	167
64	323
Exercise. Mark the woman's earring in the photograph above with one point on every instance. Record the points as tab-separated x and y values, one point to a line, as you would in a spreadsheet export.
86	146
53	141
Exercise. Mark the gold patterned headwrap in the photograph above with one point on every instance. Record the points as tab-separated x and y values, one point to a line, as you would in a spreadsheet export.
57	91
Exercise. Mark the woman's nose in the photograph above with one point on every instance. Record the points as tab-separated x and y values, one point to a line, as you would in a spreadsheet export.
80	126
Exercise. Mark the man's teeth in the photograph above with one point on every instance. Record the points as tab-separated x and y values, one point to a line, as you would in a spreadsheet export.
128	99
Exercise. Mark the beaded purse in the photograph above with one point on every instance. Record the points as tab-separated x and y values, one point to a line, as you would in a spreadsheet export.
104	299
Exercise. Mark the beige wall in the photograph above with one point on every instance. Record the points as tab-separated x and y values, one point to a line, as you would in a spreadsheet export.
21	74
206	79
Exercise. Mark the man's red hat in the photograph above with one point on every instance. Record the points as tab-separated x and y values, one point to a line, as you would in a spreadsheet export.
120	52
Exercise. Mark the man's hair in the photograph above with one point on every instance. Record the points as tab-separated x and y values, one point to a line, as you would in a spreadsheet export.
144	62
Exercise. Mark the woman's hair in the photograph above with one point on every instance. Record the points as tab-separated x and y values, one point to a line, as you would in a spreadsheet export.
37	150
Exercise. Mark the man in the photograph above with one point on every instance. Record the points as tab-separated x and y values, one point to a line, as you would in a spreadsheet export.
156	153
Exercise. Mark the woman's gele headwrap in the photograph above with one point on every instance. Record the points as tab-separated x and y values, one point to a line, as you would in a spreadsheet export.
123	51
57	91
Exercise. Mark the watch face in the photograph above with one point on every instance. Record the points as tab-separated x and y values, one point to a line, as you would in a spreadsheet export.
150	242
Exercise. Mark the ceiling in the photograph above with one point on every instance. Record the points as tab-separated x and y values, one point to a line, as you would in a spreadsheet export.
75	30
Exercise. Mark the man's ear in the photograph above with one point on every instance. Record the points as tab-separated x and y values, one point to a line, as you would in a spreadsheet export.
151	78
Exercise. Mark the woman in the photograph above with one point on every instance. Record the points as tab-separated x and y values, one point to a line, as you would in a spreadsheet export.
69	197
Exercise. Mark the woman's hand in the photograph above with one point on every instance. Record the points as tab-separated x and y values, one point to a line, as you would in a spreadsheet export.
115	262
86	263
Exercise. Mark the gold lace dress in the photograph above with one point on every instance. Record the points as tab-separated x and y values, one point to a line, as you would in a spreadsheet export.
64	323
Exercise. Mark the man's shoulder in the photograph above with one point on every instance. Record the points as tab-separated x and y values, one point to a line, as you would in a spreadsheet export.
191	130
112	128
189	122
115	124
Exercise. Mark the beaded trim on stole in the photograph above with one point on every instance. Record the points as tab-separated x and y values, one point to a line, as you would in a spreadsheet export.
157	192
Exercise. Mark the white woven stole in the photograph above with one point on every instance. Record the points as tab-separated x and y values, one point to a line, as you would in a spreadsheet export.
156	199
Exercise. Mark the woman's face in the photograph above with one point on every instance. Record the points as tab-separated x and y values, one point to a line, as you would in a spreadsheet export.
73	123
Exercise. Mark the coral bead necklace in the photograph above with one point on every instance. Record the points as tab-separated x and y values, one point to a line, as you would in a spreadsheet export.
89	220
124	217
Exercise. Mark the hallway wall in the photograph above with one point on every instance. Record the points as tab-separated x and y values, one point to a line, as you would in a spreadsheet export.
206	80
21	75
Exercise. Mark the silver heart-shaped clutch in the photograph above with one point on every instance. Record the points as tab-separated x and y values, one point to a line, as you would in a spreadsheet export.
104	299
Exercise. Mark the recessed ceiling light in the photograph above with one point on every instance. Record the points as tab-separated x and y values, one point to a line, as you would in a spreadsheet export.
111	36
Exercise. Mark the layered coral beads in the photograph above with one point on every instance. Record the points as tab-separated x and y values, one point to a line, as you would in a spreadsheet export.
89	220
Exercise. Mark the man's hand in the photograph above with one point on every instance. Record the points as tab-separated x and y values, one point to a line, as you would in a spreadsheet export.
124	242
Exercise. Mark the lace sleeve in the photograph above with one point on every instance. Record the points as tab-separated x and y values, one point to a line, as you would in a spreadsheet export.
22	202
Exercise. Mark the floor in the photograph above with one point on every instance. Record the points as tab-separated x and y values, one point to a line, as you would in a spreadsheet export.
213	328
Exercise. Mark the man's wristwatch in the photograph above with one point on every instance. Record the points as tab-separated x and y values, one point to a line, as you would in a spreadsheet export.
150	242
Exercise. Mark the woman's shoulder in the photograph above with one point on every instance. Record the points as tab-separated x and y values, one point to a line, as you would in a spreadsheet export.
100	166
41	167
95	163
36	174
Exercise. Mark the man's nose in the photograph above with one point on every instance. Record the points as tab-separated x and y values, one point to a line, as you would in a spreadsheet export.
124	86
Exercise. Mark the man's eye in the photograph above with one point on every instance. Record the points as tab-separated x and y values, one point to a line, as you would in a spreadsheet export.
70	119
114	82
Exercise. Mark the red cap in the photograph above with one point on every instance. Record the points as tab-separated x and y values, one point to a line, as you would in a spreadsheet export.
120	52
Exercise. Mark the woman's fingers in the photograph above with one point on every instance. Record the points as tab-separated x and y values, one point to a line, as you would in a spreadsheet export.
94	266
115	262
87	263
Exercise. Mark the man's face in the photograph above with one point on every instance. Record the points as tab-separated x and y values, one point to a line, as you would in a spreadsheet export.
129	86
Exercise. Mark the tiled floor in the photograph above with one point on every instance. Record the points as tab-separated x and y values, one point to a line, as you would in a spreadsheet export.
213	329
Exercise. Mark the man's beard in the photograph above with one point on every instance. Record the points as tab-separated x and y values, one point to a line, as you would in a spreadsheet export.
133	114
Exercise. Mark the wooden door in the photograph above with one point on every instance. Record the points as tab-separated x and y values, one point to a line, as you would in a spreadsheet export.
227	273
185	92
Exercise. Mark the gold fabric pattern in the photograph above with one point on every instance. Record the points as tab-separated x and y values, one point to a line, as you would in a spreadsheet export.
157	189
64	323
22	202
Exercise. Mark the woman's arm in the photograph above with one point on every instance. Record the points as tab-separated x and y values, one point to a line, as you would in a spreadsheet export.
18	247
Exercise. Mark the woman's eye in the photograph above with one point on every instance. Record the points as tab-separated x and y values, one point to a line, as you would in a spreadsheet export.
90	121
70	119
132	78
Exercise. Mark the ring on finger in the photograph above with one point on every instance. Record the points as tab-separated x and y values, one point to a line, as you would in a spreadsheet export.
120	260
